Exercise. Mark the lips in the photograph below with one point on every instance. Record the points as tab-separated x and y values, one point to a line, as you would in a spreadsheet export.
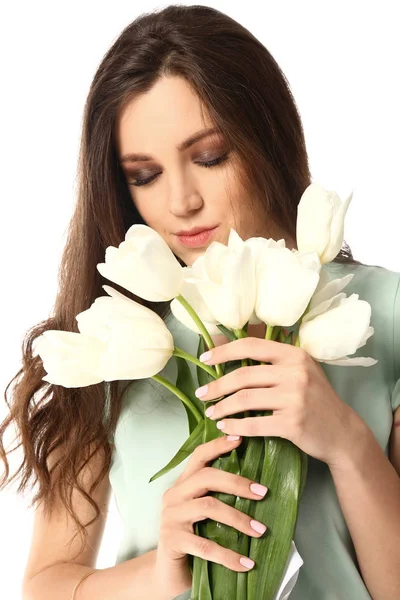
195	230
197	240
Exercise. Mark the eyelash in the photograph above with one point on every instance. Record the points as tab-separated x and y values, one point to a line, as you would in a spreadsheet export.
207	165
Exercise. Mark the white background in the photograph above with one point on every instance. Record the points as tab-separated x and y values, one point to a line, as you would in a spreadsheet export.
342	62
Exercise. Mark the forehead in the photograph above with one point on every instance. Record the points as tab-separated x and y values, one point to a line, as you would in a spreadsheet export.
168	113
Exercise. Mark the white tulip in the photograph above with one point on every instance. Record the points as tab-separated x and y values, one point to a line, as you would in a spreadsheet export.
225	277
144	264
336	327
70	359
138	342
286	281
191	293
320	222
326	294
259	245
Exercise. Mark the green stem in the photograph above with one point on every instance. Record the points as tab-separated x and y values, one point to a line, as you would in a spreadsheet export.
270	335
300	321
240	333
202	328
276	332
269	331
170	386
182	354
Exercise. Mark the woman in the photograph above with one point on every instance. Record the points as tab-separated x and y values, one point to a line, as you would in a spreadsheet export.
169	75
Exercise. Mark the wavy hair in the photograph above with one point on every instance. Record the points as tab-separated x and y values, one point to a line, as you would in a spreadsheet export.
249	99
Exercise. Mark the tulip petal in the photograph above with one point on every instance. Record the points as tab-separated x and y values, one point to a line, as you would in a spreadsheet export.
132	308
226	301
235	242
138	233
314	218
220	275
284	286
337	332
181	314
259	245
70	359
337	227
136	350
328	288
323	307
144	264
358	361
192	295
320	222
213	262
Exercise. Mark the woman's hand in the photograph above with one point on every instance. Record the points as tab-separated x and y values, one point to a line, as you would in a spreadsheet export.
188	502
306	409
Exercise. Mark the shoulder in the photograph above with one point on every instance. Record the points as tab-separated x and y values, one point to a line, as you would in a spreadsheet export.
381	288
375	284
372	279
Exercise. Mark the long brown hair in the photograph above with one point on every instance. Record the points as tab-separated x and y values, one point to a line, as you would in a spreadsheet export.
249	100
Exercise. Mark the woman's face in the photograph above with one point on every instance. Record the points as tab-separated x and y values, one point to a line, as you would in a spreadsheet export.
181	193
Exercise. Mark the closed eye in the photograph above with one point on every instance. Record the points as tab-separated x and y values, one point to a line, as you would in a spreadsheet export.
211	163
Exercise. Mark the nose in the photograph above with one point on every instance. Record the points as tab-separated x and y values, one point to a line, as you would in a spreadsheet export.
184	197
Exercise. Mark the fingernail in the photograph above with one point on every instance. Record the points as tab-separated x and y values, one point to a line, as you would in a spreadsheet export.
209	411
201	391
257	526
246	562
233	438
259	489
220	425
205	356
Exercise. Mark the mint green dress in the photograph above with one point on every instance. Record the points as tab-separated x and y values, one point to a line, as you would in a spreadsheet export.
153	425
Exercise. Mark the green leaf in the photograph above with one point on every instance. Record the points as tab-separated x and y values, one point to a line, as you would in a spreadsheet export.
201	589
227	333
281	473
222	579
184	451
197	568
304	471
205	589
250	466
211	431
185	383
202	376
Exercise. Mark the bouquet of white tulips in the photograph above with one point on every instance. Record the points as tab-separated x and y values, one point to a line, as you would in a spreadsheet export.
228	287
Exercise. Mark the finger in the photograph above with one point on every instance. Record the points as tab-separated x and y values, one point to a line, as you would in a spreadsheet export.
248	399
205	453
208	507
268	426
210	479
255	376
197	545
254	348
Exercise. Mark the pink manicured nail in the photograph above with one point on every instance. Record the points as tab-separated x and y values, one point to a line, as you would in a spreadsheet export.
201	391
257	526
246	562
259	489
205	356
209	411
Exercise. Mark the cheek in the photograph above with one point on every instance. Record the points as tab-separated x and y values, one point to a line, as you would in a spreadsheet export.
149	214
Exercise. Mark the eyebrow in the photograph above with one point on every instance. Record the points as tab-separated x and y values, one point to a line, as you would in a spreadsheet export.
196	137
